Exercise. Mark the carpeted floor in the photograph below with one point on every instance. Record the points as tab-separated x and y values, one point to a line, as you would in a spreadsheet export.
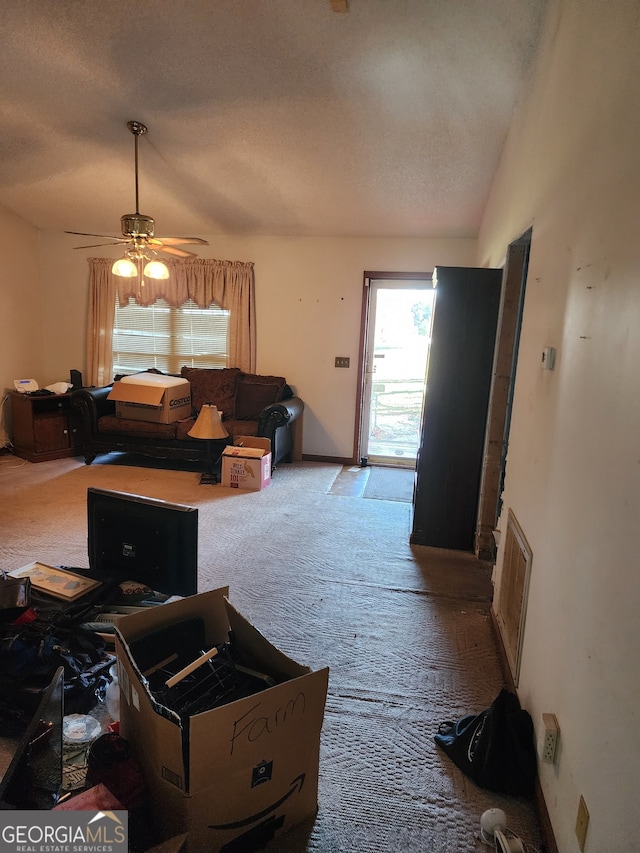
332	580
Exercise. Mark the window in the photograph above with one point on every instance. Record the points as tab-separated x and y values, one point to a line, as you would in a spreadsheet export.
168	338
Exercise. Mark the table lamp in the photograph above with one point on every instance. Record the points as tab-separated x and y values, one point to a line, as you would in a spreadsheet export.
209	427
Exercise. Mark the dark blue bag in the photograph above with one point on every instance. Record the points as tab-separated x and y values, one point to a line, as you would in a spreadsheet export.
494	748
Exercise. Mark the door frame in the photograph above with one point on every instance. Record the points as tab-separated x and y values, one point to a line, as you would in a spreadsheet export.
514	282
369	276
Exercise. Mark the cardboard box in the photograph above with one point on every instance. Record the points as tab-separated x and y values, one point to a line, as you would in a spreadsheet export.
238	774
152	397
247	463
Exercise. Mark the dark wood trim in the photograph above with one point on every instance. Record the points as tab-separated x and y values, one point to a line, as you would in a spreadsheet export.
503	375
502	655
549	840
367	277
336	460
364	314
399	276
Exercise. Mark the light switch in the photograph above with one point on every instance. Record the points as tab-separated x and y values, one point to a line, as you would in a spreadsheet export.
549	358
342	361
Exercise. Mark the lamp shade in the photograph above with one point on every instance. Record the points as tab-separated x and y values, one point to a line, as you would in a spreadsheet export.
125	268
208	424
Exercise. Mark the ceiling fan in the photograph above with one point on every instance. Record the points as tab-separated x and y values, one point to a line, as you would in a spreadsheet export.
138	231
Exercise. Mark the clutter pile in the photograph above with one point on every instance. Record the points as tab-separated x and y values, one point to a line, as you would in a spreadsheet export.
225	726
218	736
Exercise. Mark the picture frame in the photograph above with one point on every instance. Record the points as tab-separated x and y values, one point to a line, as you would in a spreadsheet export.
59	583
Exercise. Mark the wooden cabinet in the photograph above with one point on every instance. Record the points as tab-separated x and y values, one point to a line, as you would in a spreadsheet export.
459	373
44	427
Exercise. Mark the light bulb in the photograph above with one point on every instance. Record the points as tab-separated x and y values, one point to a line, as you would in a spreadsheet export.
125	268
156	269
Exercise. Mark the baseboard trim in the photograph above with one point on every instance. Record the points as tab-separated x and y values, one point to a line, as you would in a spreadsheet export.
550	845
336	460
502	655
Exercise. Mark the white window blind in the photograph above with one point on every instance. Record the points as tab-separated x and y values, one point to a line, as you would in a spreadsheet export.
168	338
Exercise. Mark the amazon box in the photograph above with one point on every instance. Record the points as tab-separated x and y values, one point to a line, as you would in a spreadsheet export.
152	397
239	774
247	463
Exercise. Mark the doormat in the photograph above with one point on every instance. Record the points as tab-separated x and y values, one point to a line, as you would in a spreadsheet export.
390	484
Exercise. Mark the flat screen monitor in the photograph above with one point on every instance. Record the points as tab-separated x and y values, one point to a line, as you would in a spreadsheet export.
147	540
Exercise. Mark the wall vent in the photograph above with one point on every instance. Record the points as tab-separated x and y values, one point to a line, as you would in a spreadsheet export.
512	596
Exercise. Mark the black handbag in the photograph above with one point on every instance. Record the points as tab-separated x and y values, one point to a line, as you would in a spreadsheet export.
494	748
15	596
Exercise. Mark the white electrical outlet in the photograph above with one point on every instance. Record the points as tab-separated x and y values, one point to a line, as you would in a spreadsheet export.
549	738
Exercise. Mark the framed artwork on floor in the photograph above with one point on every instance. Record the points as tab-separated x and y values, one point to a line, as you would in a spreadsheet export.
60	583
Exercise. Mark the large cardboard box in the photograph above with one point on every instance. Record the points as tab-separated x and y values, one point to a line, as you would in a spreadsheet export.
239	774
247	463
152	397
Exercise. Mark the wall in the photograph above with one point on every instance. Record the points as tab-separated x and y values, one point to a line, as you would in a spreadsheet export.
21	324
308	305
570	169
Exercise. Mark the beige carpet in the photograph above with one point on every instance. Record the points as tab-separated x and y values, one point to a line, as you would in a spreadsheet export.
331	580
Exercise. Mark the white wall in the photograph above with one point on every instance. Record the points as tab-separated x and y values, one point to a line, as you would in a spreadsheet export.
308	305
570	169
21	324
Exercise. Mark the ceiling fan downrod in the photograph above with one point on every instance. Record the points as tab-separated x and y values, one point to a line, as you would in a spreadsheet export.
137	224
137	129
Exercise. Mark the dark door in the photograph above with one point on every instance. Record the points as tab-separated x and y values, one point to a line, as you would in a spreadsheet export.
459	372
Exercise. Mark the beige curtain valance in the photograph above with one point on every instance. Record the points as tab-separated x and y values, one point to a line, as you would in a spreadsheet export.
229	284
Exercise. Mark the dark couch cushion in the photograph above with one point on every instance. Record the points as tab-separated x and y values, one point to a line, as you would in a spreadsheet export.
217	386
139	429
237	428
255	392
182	428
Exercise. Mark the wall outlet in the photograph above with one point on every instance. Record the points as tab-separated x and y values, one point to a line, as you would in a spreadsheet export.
582	823
549	738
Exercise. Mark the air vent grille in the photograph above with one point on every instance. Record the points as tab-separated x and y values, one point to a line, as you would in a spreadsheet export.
512	595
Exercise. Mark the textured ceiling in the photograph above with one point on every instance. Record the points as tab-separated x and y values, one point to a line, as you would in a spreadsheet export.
277	117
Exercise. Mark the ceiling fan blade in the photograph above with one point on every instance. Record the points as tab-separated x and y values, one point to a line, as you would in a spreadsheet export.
99	245
88	234
178	241
179	253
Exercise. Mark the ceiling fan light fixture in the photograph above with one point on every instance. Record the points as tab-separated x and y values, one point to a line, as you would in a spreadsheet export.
125	268
156	269
138	231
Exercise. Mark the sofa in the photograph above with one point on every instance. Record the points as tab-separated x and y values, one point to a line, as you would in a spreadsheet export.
250	404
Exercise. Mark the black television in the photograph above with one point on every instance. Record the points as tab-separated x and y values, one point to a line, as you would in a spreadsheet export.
147	540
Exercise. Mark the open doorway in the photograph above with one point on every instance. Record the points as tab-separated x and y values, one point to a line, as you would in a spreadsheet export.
396	325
